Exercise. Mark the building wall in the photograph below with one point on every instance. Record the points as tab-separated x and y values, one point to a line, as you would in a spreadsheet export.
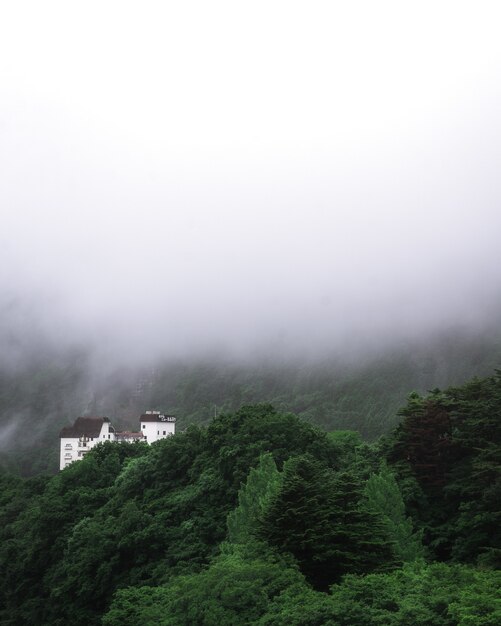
105	434
75	448
68	451
153	431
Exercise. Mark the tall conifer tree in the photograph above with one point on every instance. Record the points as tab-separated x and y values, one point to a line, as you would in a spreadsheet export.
322	519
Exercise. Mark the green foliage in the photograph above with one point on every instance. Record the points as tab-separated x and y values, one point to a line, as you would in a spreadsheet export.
138	515
345	440
321	519
384	497
263	484
479	602
139	606
239	438
450	442
346	443
417	595
425	440
234	591
145	528
33	543
299	605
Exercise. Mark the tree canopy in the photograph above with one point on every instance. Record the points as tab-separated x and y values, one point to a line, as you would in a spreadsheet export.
261	518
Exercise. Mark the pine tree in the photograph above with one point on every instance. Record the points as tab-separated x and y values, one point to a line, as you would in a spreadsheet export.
384	497
322	520
254	497
424	439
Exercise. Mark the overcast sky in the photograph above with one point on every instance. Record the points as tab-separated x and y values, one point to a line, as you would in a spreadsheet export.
175	175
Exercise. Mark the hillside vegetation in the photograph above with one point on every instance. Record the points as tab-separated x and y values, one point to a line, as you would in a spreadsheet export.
49	390
263	518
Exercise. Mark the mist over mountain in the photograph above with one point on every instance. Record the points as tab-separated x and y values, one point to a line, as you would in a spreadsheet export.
327	196
47	387
204	207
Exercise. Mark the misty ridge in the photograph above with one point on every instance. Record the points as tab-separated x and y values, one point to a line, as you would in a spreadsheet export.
47	383
335	315
320	231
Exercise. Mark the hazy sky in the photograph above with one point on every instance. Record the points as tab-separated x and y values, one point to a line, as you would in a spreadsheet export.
178	174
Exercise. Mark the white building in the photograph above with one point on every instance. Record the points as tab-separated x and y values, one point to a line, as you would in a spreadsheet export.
86	432
155	425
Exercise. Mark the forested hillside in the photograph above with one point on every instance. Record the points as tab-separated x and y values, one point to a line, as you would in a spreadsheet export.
263	518
361	392
48	390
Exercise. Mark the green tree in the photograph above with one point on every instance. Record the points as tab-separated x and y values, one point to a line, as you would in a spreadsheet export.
321	519
263	484
235	590
136	515
299	605
384	497
417	595
450	442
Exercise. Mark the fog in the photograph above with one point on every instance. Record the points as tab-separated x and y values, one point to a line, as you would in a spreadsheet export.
177	178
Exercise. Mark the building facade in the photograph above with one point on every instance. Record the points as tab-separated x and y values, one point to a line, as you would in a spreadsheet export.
86	432
156	425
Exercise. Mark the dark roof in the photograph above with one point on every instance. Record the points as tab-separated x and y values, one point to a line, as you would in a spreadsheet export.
126	434
84	427
156	417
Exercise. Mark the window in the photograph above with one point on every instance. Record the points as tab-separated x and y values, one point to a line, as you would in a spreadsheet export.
109	436
158	432
144	425
165	432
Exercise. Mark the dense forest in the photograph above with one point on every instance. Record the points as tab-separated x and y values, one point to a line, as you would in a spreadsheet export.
261	517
